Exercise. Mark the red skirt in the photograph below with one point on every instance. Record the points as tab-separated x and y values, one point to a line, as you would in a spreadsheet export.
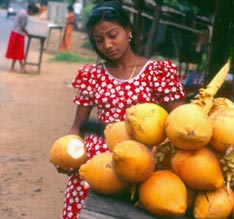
15	48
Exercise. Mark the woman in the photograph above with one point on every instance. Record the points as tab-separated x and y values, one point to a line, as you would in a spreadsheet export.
121	80
69	26
16	44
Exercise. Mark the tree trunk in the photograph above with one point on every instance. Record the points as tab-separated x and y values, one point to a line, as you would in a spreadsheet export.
219	39
153	31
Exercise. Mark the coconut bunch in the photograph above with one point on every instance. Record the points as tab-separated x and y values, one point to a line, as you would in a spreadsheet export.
171	163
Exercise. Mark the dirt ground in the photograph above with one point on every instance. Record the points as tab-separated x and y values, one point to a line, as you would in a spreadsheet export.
35	110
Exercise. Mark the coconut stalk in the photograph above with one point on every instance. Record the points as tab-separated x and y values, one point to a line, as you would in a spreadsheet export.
205	97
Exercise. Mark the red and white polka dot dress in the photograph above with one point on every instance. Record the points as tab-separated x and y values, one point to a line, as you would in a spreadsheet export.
157	82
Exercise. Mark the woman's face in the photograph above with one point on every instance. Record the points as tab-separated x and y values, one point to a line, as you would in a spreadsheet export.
111	39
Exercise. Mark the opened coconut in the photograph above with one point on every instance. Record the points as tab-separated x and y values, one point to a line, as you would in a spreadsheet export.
68	153
145	123
164	194
133	162
99	174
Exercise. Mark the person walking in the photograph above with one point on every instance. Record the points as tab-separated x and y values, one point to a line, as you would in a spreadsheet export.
16	43
69	26
120	79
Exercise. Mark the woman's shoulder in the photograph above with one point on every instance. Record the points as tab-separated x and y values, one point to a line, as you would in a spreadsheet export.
91	67
162	63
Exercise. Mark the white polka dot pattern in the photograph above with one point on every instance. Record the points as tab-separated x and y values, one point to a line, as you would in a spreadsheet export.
157	82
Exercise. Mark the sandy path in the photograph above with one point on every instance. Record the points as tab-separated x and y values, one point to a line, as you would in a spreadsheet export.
35	109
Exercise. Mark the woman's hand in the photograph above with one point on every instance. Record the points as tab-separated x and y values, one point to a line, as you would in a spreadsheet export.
70	172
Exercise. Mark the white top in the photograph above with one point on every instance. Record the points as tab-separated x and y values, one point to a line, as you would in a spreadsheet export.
77	8
21	21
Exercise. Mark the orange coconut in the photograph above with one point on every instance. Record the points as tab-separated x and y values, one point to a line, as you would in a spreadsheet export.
199	169
115	133
146	123
68	152
163	194
189	127
133	162
99	174
223	123
216	204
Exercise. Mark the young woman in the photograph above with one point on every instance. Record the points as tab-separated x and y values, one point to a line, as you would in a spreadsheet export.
121	80
16	44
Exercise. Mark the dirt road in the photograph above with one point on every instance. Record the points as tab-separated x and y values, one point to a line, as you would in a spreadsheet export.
35	110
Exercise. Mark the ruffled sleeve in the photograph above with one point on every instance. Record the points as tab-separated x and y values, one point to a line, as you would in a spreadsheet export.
166	81
85	83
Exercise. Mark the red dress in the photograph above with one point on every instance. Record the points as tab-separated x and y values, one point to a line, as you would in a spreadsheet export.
157	82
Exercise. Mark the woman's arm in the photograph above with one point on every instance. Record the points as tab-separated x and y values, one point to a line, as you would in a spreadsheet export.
82	115
172	105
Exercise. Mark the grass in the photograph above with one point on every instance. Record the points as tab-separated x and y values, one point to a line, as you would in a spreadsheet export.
70	57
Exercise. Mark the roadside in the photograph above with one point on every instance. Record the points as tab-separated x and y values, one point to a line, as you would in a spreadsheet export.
35	110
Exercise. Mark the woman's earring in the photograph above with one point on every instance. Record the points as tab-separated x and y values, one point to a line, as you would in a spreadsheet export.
130	37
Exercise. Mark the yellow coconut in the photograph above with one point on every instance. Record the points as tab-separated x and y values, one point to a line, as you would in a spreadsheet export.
216	204
133	162
188	127
68	153
99	174
164	194
115	133
146	123
221	102
199	169
223	123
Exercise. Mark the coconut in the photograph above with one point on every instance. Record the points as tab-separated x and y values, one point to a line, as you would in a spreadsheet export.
221	102
188	127
68	153
145	123
99	174
223	123
133	162
115	133
199	169
164	194
216	204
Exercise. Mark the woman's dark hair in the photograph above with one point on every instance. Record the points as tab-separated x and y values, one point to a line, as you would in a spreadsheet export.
112	12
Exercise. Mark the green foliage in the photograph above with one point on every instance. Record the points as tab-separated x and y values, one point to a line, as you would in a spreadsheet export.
70	57
86	45
85	13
